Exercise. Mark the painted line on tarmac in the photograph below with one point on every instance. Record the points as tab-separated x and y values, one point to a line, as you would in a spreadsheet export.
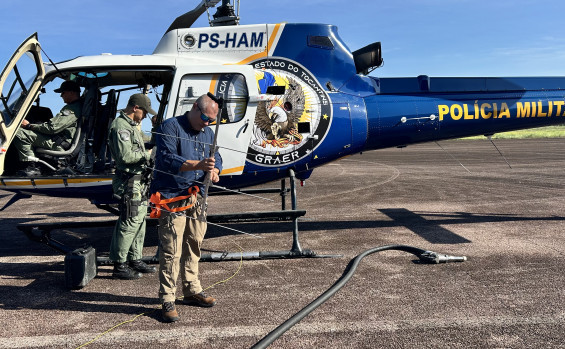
202	335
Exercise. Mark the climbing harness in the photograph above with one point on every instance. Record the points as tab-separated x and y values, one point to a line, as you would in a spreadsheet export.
160	204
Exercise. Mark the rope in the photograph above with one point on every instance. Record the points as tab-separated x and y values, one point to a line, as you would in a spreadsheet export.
196	141
182	214
213	185
155	309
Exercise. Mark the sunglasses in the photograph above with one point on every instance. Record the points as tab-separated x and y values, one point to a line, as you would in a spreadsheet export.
205	117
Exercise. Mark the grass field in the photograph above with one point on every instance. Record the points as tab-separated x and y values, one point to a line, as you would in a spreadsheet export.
540	132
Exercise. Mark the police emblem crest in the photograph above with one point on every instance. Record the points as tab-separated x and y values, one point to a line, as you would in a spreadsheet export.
124	135
288	128
292	126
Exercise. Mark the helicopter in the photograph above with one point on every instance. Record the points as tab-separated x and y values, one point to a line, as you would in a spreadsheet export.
296	98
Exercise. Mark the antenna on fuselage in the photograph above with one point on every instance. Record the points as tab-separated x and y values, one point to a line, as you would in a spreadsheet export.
489	137
453	157
225	15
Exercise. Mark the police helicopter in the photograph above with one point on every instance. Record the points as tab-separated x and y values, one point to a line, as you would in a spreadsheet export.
295	98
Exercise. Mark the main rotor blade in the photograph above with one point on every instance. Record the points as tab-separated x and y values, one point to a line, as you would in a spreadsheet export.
188	19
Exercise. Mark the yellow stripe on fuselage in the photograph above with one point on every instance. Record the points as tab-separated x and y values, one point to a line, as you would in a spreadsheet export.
16	183
273	36
49	181
88	180
213	83
232	170
266	52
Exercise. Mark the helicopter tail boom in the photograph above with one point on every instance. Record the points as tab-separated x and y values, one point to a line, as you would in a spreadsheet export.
413	110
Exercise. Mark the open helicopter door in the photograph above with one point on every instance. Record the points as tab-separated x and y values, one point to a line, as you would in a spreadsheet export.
19	85
238	87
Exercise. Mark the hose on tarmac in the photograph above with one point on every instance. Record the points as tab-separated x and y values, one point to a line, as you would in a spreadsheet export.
425	256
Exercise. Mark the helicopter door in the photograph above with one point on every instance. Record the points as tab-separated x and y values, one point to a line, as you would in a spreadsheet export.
237	86
19	85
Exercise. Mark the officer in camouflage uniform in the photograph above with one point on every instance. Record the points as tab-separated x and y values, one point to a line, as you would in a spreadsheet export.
55	134
130	185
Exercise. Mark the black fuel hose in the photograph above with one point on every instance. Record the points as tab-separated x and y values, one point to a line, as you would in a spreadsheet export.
425	256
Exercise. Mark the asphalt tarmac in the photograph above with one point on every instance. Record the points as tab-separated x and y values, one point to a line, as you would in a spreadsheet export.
508	294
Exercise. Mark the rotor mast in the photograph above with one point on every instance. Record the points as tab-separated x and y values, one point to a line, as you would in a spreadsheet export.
225	15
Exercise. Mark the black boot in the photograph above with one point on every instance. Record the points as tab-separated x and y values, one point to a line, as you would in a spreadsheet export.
29	169
124	272
142	267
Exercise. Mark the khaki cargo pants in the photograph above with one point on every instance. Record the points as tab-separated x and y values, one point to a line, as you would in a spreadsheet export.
180	235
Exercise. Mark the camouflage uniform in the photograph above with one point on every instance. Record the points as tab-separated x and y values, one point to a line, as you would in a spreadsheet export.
50	134
128	150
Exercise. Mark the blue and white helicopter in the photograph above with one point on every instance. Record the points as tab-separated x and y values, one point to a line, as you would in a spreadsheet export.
295	98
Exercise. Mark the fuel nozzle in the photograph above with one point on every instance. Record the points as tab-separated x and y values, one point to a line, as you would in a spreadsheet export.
431	257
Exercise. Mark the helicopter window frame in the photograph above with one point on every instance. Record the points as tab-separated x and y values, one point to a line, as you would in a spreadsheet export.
115	76
20	80
124	80
232	87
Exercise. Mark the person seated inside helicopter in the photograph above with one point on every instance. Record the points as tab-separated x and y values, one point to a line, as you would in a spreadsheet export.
55	134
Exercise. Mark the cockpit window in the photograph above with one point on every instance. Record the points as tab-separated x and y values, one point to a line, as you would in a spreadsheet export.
17	85
231	87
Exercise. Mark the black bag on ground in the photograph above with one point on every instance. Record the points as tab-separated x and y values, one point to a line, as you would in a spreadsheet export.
80	267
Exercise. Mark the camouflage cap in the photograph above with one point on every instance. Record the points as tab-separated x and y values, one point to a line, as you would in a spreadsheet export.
68	86
142	101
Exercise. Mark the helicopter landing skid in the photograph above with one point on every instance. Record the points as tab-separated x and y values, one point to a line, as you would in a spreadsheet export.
41	232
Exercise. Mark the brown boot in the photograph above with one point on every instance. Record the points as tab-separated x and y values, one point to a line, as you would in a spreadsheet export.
200	300
169	313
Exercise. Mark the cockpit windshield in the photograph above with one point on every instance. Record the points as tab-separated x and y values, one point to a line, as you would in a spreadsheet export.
17	86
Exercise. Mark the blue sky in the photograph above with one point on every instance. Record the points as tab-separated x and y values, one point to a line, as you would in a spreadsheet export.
433	37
